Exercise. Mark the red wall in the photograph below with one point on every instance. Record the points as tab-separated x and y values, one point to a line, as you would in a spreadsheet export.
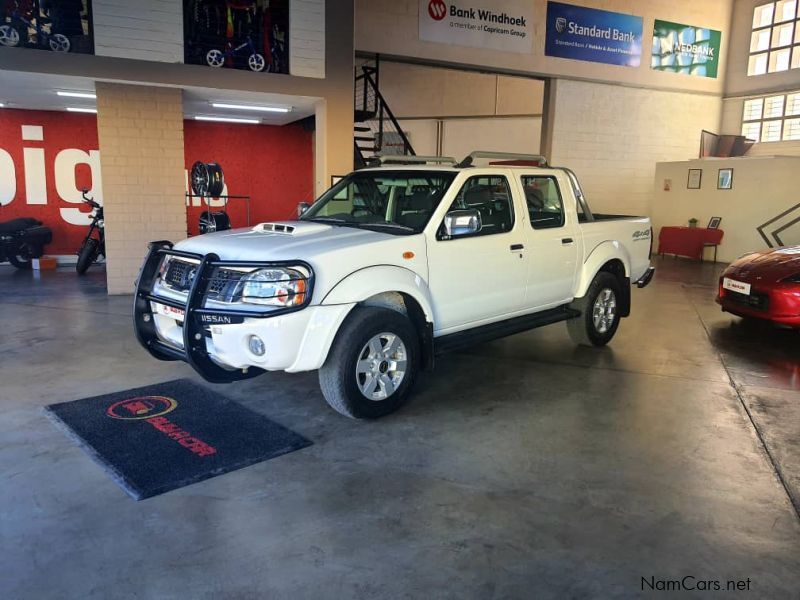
273	165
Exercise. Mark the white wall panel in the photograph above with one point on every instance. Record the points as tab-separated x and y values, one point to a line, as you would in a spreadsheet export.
144	30
613	136
307	38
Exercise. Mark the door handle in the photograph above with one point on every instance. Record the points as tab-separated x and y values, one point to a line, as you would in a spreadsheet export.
567	241
517	247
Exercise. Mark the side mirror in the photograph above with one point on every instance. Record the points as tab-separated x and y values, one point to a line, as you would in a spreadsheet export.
462	222
302	207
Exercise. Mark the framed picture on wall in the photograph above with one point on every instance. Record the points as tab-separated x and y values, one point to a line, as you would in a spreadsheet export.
714	222
695	177
725	179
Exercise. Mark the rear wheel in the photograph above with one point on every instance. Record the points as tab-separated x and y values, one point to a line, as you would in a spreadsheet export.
9	36
22	257
87	256
599	312
372	364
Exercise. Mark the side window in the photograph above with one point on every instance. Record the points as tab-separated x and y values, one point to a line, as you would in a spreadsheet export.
543	198
490	195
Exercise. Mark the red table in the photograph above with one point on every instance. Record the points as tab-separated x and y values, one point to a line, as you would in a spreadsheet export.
687	241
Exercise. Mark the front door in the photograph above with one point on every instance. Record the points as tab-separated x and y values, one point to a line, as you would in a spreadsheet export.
481	277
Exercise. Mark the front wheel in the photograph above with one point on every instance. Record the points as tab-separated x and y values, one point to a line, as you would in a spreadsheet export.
59	43
87	256
9	36
599	312
372	364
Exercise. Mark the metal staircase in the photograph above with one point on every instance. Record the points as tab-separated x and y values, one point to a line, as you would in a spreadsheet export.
376	130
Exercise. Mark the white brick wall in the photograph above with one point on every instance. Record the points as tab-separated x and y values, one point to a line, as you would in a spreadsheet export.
140	130
613	136
144	30
307	38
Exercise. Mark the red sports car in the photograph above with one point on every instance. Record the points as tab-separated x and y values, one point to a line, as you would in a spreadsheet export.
764	285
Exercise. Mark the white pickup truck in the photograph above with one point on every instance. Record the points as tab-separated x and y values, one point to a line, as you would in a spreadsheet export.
390	267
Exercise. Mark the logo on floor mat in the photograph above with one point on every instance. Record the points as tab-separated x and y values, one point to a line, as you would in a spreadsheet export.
141	407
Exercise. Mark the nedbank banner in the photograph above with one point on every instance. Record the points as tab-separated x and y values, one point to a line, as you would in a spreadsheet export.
687	49
497	24
593	35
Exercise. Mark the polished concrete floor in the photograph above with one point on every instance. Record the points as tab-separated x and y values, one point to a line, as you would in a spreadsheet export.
524	468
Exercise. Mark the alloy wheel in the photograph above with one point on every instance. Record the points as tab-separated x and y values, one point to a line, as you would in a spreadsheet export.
604	311
381	366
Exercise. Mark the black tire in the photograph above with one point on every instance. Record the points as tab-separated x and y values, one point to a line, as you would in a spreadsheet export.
583	330
214	221
87	256
338	378
22	257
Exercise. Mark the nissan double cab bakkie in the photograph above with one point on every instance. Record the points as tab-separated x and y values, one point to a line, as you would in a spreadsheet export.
391	266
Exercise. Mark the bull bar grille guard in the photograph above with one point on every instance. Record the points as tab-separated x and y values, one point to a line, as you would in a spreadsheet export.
194	349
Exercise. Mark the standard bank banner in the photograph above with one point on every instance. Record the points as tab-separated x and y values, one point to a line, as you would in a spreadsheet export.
593	35
497	24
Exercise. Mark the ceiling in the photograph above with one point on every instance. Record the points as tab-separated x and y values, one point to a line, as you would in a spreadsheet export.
38	92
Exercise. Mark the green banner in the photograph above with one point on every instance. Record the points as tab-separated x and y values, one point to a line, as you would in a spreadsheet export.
686	49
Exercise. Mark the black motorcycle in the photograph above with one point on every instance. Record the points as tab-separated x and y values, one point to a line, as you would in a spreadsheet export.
22	240
95	242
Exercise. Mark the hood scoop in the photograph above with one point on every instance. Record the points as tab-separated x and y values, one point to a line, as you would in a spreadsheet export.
275	228
292	228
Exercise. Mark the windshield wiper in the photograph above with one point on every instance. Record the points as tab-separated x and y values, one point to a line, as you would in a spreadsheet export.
390	224
325	220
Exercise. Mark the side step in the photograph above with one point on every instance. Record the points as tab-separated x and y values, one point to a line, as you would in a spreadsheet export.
493	331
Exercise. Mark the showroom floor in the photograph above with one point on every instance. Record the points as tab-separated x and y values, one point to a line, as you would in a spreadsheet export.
524	468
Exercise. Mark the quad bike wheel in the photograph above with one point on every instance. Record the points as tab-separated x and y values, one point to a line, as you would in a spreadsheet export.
207	179
215	58
9	36
59	43
256	62
214	221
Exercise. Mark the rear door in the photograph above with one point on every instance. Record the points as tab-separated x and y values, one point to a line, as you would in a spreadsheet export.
554	241
480	278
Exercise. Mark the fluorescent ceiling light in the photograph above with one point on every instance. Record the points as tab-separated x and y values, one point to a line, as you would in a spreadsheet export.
278	109
226	119
89	95
81	109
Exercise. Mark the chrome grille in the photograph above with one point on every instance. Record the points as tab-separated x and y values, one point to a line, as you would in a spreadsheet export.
180	276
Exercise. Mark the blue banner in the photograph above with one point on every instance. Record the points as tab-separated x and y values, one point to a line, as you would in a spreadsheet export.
593	35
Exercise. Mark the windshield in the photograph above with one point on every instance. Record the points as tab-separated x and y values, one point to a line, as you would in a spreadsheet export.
398	202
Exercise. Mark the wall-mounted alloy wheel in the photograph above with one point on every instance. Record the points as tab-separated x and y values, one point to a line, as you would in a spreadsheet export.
215	58
256	62
372	364
9	36
214	221
207	179
59	43
599	312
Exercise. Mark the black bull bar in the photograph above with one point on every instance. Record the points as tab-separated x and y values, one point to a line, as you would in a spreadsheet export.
197	318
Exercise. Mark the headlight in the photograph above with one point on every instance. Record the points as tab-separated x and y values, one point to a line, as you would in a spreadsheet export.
281	287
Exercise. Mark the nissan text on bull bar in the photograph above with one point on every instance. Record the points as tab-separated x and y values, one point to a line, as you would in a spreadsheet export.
396	263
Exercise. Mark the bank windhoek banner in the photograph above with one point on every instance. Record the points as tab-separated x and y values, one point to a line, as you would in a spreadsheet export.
505	25
593	35
687	49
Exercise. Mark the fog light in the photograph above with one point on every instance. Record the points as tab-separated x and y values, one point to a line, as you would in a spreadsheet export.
257	345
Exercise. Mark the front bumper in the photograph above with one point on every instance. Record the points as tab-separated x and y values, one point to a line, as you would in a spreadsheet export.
779	303
214	341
